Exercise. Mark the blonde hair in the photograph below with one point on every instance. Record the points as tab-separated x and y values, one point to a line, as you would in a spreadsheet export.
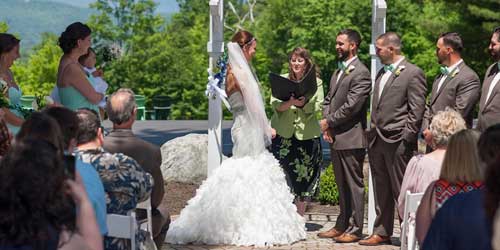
461	161
444	124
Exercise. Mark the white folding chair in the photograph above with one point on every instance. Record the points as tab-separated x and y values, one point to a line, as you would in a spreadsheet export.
122	226
148	222
407	238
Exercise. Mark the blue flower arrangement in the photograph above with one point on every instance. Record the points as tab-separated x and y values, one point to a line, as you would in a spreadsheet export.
216	81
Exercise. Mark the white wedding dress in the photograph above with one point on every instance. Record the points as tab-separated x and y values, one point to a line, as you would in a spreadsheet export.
245	201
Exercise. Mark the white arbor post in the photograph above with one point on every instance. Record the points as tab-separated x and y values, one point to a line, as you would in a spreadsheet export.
215	48
379	10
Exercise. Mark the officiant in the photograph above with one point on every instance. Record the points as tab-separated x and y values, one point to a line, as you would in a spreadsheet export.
297	143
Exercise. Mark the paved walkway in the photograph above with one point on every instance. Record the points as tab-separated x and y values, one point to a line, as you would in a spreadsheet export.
315	223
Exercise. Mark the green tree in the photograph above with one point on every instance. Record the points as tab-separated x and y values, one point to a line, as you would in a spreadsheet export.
38	74
3	27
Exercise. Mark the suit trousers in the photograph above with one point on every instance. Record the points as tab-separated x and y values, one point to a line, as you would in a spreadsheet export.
388	163
348	170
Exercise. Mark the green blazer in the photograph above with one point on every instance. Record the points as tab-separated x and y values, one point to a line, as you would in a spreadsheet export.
301	122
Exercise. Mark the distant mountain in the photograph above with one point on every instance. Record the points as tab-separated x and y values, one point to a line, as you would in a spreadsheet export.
164	6
30	18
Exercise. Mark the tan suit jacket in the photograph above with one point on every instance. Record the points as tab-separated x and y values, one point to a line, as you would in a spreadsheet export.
489	111
346	105
460	92
397	114
145	153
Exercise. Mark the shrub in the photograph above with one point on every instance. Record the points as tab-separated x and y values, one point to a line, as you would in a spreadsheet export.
328	191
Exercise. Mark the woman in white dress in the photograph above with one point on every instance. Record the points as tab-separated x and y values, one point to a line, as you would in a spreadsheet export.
245	201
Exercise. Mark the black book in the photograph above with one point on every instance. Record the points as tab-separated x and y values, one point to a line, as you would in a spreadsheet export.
283	88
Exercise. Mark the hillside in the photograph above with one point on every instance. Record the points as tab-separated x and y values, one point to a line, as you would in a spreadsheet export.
29	19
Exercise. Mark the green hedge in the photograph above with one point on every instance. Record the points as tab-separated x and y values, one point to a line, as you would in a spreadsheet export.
328	191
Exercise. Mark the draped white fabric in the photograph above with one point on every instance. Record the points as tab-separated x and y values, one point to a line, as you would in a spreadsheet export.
252	98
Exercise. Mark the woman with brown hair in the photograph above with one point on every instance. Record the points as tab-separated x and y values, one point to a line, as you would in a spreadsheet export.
297	143
246	200
461	172
74	86
9	52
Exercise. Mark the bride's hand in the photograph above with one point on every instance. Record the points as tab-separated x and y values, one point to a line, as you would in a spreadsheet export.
273	133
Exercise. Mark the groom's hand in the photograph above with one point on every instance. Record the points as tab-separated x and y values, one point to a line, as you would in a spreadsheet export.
323	125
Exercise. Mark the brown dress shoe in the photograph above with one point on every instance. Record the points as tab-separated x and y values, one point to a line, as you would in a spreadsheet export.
347	238
332	233
375	240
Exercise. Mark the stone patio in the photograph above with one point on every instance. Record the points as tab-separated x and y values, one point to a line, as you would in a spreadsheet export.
316	222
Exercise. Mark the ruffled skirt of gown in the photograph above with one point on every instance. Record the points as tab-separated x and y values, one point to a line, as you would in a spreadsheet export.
245	201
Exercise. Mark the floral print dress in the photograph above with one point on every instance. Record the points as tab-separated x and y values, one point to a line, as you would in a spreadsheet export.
301	161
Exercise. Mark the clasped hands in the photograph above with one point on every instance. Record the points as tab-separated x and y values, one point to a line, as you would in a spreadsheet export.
323	124
297	102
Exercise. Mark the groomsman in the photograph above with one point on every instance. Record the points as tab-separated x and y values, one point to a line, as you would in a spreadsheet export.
343	126
489	105
398	104
457	86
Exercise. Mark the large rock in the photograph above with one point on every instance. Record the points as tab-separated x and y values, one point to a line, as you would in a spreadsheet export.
185	159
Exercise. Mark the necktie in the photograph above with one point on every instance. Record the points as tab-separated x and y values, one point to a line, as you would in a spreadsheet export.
389	67
341	65
444	70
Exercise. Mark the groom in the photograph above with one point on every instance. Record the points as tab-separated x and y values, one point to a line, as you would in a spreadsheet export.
343	125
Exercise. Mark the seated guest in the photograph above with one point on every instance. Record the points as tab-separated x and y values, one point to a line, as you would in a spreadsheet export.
489	144
124	180
465	220
5	135
461	172
495	243
68	122
423	169
122	109
43	208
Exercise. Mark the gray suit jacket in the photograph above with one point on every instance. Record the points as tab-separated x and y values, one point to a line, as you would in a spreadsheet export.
145	153
460	92
489	112
345	107
397	114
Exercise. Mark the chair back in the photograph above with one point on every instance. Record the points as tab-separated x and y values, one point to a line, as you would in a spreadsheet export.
408	239
122	226
146	205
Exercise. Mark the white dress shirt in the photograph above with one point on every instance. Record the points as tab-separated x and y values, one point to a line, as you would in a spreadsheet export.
347	63
450	69
492	85
386	76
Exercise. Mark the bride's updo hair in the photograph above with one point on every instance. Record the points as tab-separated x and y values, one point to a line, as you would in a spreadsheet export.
243	38
74	32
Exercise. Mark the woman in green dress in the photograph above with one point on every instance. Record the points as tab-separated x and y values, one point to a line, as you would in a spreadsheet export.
297	144
9	52
75	89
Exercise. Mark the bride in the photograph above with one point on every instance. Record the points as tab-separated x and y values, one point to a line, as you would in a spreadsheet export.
246	200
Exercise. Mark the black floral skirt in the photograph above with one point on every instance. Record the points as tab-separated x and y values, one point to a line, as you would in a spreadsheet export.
301	162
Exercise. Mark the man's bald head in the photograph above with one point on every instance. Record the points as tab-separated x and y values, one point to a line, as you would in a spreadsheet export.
121	106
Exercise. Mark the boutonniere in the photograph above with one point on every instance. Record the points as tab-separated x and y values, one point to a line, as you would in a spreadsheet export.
399	69
454	73
349	69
